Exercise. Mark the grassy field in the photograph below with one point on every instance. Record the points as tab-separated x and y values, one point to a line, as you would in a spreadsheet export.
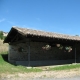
6	67
3	47
66	67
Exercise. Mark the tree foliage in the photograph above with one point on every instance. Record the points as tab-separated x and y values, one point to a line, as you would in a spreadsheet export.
1	35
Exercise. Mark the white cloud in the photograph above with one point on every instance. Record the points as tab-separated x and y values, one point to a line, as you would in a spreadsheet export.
1	20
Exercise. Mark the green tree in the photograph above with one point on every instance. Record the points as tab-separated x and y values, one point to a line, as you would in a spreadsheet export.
1	34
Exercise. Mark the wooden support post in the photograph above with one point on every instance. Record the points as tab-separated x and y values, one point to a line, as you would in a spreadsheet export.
29	54
75	54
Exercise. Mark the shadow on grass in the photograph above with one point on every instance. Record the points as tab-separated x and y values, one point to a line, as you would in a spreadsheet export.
5	57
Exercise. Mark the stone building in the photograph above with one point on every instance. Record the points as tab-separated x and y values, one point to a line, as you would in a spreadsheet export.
30	47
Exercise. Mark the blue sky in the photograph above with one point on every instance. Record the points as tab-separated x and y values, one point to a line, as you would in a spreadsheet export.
61	16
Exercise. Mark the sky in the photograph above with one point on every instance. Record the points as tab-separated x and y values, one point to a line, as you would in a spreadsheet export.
60	16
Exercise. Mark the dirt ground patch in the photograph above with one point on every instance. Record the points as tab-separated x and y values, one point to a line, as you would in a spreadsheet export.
45	74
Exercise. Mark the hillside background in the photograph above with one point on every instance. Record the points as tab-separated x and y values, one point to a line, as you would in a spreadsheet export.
3	47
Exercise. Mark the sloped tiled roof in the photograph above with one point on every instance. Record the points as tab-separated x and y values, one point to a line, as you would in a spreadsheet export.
30	32
26	31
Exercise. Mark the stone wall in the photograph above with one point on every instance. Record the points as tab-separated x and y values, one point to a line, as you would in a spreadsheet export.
37	53
45	63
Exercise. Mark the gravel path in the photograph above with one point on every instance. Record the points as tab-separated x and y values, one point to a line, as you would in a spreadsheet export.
72	78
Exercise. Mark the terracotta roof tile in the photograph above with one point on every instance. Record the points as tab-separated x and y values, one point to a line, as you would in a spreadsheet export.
26	31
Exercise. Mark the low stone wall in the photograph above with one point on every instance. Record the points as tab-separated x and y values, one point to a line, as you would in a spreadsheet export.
45	63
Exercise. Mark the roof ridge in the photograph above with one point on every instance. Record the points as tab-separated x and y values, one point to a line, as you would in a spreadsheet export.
16	27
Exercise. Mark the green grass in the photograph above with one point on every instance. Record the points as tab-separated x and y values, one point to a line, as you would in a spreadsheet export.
6	67
66	67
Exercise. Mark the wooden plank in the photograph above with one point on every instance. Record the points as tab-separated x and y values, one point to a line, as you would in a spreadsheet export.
29	54
20	41
14	38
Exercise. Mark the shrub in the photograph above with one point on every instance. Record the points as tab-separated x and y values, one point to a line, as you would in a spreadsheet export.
1	35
